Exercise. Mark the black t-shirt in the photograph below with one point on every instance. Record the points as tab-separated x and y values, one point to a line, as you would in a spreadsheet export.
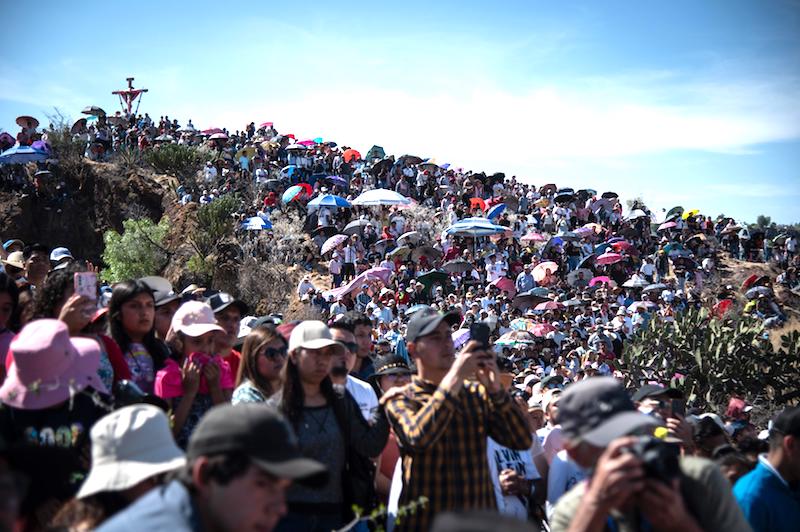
66	425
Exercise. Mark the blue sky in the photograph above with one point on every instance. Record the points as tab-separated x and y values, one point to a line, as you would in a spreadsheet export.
692	102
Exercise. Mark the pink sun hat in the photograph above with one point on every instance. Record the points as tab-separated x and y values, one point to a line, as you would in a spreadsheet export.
195	318
49	367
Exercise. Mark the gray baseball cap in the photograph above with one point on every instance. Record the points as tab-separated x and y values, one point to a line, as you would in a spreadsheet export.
599	410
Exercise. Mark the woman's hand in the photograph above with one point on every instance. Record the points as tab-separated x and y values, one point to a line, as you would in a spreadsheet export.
212	373
77	313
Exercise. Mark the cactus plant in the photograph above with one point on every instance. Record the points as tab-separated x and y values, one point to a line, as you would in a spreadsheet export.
709	359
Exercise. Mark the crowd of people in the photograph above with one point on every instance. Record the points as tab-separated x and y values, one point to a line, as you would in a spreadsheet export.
464	370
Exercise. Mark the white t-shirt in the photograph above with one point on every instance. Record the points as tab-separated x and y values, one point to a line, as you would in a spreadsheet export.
501	458
364	396
564	474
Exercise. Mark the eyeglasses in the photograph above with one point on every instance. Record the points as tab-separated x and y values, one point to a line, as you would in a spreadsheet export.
275	352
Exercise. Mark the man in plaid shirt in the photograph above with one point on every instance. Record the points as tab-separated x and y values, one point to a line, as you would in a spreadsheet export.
442	421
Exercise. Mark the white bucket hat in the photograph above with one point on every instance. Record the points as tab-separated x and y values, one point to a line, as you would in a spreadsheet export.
130	445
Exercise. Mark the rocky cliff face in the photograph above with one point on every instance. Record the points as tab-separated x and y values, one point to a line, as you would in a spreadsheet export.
92	198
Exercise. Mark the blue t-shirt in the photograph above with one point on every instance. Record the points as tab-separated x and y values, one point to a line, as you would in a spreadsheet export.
168	507
767	502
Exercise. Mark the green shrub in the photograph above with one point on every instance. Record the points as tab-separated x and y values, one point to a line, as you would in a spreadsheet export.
709	359
136	252
176	160
214	223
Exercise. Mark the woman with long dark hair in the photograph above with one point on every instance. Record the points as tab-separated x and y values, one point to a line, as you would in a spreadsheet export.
56	299
131	315
9	303
330	429
263	358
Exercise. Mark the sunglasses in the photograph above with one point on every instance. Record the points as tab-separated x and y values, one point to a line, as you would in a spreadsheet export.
351	346
275	352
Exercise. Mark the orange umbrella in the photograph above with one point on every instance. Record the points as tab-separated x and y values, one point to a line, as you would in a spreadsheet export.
350	154
477	202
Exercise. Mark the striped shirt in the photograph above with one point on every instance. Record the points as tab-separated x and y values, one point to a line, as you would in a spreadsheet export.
443	445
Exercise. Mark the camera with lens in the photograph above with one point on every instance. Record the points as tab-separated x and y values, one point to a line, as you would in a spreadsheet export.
659	458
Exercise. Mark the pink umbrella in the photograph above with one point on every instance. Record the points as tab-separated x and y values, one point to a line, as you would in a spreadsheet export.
548	305
332	243
540	270
541	329
504	283
598	280
265	124
307	143
608	258
211	131
667	225
533	236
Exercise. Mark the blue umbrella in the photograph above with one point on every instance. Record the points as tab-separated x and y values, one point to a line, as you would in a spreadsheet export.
256	223
496	211
329	200
599	250
475	227
22	154
291	193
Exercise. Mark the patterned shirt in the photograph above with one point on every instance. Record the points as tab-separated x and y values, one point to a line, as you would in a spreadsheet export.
443	445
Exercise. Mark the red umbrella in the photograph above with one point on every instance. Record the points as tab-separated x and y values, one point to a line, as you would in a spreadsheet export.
266	124
212	131
306	188
608	258
549	305
504	283
749	281
623	247
350	154
601	279
477	202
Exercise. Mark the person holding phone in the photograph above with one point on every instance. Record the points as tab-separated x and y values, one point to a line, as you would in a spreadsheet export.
443	412
57	299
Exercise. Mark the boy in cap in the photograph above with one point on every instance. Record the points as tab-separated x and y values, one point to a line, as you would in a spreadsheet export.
441	420
598	420
240	461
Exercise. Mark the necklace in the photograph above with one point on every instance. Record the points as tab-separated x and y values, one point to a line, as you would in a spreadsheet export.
320	424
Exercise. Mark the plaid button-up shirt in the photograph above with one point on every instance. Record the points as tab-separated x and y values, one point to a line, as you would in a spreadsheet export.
443	443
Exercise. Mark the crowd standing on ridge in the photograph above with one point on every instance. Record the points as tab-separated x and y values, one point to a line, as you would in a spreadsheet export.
465	370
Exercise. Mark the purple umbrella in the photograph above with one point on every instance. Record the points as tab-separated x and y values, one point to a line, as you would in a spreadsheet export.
41	146
337	180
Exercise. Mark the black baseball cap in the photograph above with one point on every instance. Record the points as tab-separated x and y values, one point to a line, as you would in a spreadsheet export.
654	390
222	300
258	431
788	422
391	364
426	320
599	410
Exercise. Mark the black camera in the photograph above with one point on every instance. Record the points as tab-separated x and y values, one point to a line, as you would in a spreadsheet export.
659	458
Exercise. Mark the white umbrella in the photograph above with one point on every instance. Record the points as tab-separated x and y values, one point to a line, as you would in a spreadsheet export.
381	196
411	236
